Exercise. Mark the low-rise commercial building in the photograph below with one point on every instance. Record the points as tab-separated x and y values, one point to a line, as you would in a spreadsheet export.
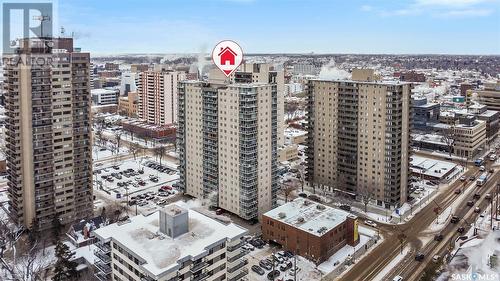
145	130
104	96
490	95
288	153
310	229
170	244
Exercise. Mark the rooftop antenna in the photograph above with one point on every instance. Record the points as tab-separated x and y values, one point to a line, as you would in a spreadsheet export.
41	18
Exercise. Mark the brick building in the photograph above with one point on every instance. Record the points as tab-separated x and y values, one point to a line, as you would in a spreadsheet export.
310	229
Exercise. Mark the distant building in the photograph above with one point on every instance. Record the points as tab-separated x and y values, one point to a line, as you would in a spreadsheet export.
423	113
82	233
111	66
104	96
309	229
128	105
288	153
464	87
170	244
358	137
410	76
304	69
134	68
151	131
157	96
489	96
127	84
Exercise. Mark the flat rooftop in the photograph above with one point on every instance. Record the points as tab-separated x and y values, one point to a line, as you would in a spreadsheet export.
141	235
430	167
309	216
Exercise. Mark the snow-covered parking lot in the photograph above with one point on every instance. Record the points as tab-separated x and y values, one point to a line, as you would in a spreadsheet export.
144	181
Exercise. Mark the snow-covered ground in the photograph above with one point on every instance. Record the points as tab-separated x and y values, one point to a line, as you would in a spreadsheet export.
397	259
479	254
106	151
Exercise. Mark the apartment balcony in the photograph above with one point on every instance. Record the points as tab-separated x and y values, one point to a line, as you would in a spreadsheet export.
104	247
106	259
104	268
240	276
239	265
235	247
195	267
102	276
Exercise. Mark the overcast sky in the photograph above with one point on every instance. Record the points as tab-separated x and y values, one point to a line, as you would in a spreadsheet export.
292	26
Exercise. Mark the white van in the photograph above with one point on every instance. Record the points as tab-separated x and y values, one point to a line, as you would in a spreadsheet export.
397	278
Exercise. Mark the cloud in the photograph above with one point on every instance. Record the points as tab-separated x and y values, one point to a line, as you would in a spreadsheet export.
439	8
366	8
466	13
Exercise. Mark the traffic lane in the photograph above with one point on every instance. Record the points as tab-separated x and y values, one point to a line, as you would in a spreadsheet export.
450	232
408	266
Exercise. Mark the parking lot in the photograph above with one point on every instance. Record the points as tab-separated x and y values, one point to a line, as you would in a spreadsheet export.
261	257
142	182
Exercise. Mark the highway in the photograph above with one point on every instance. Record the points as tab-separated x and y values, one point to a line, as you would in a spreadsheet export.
411	232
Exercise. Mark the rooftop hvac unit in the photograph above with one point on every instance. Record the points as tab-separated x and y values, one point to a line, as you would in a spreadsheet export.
282	215
320	207
300	219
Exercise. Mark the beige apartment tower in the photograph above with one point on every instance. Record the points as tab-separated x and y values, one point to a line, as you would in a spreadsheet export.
358	138
48	133
227	141
157	96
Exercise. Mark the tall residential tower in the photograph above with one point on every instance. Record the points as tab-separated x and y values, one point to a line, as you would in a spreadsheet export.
358	137
48	133
227	141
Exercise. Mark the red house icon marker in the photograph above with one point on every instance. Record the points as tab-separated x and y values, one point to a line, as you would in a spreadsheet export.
227	55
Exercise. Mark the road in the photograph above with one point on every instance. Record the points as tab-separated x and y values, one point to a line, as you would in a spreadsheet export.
409	233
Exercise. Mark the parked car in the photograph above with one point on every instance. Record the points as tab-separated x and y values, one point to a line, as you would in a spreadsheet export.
463	178
419	257
476	196
257	269
436	258
266	264
461	229
488	196
472	177
345	207
370	223
438	237
273	275
455	219
470	203
286	266
477	210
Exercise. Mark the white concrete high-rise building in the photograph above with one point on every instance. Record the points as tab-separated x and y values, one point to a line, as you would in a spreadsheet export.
227	142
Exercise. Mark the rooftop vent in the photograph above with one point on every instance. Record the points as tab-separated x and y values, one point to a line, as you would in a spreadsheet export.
320	207
174	221
300	219
282	215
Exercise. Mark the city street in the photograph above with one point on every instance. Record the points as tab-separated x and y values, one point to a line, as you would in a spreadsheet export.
410	233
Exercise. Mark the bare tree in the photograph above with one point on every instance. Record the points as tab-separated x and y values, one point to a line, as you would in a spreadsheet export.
449	138
33	264
160	151
288	188
118	139
134	149
366	197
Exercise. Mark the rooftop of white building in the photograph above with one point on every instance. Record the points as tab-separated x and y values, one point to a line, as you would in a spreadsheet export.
141	235
308	216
